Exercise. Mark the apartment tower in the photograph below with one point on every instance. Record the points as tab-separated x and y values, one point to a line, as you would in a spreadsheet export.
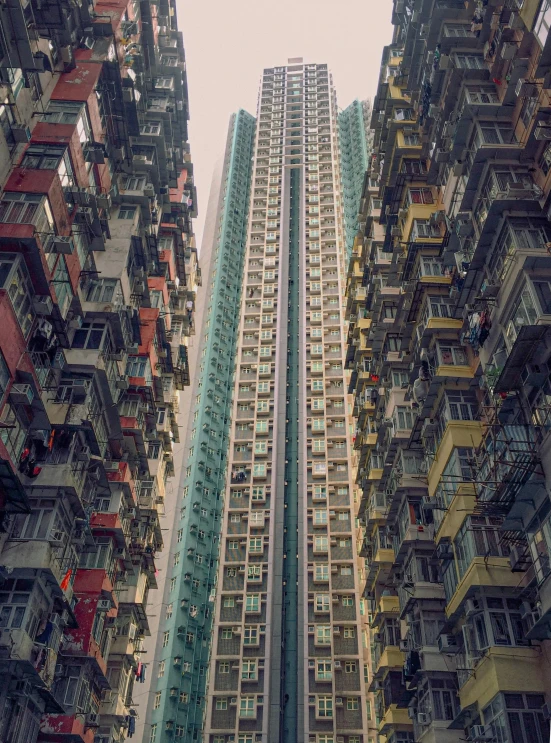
356	141
176	704
286	659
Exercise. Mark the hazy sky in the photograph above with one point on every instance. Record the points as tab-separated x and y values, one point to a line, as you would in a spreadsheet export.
228	44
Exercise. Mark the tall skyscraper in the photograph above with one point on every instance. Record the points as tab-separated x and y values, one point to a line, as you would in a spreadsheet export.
287	659
179	672
356	141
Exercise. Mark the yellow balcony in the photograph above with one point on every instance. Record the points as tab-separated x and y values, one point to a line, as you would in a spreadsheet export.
364	323
502	670
383	556
461	506
395	718
457	433
370	439
443	323
392	657
375	473
496	571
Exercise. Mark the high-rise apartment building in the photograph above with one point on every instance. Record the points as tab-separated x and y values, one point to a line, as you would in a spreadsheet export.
356	140
180	655
449	309
98	283
287	655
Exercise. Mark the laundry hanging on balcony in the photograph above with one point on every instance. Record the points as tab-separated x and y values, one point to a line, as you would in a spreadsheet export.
480	325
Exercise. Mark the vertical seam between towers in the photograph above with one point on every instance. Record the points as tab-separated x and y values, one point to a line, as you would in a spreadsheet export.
292	498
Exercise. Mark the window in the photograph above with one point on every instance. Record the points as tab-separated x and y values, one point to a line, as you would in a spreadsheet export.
517	718
349	633
420	196
324	670
350	666
221	703
323	634
127	212
320	516
257	493
248	670
352	703
14	278
256	545
247	707
322	602
223	668
157	699
161	669
543	22
254	573
153	733
252	602
226	634
228	602
233	544
325	707
469	61
250	635
166	638
347	601
346	570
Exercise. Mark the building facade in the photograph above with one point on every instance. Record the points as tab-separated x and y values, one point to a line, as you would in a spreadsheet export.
356	141
176	705
98	283
449	354
287	655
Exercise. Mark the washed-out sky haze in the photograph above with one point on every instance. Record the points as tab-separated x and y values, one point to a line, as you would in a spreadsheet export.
228	44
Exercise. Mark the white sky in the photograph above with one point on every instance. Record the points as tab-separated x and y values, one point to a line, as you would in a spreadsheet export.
228	44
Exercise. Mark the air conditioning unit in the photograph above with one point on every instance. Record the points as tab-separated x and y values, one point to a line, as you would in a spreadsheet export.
442	156
149	189
509	50
103	605
480	733
525	89
42	305
132	348
542	131
21	133
471	607
83	454
534	375
338	701
448	644
60	245
103	200
337	665
404	646
423	718
21	394
444	551
122	383
85	215
57	536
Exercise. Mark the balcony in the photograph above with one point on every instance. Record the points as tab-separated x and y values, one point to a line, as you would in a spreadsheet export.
502	669
36	660
467	565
